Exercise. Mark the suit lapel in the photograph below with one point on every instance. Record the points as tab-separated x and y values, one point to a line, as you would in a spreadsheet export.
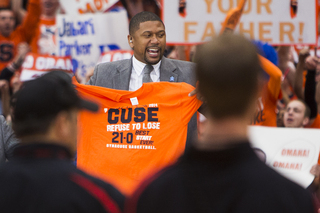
121	79
167	69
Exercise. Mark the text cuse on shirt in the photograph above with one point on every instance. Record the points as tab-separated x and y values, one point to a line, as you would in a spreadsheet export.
135	133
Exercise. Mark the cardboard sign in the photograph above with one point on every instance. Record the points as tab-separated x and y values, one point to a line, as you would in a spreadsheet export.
87	36
75	7
290	151
270	21
115	55
36	65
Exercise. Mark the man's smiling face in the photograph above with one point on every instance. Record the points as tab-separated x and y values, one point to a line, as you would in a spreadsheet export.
149	42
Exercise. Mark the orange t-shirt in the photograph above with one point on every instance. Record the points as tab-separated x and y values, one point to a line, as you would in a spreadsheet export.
22	33
135	133
265	114
44	42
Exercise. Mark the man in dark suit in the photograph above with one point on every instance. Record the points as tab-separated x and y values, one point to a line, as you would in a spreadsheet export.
147	38
40	177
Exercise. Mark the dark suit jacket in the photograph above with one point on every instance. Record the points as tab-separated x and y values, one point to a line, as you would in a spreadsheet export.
116	75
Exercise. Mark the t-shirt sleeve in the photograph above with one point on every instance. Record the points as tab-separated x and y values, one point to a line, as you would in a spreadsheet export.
189	105
274	83
31	21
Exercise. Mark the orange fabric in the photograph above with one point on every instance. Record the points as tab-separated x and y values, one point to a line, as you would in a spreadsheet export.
293	13
316	123
22	33
126	157
44	42
5	3
265	114
274	83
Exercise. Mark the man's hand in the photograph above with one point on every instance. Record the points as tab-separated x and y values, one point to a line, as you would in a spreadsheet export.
23	49
4	85
304	53
311	63
196	92
315	170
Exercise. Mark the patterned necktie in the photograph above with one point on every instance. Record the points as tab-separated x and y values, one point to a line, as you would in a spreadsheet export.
146	73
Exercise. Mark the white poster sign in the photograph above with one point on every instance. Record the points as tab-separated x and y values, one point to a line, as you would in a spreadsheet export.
115	55
290	151
36	65
87	36
75	7
273	21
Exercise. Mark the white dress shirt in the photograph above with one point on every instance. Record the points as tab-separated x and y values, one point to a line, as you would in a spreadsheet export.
137	75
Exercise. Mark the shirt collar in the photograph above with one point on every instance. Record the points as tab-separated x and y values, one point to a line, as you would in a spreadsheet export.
138	66
42	150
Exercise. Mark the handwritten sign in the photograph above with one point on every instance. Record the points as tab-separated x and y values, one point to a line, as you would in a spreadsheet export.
87	36
265	20
75	7
115	55
290	151
36	65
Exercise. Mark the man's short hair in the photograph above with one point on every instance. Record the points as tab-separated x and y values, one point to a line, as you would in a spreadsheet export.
144	16
5	8
307	112
228	71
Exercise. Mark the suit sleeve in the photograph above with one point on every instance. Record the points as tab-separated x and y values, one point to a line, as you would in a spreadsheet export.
30	24
274	83
92	80
10	142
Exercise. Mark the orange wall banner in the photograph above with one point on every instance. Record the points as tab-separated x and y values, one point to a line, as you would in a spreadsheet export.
275	22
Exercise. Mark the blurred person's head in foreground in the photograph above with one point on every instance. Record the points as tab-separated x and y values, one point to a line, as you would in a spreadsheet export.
147	37
45	110
229	76
297	114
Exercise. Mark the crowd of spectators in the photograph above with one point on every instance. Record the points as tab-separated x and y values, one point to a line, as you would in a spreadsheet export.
289	98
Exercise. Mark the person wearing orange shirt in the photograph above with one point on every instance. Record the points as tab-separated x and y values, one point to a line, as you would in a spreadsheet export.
10	36
265	114
44	41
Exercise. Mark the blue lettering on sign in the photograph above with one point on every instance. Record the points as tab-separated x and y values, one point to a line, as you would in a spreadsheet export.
75	65
74	29
80	49
109	46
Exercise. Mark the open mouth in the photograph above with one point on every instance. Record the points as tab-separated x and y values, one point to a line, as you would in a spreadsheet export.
153	52
48	5
289	120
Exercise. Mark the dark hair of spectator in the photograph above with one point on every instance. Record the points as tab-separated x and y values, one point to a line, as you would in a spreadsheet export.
144	16
229	74
5	8
32	126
